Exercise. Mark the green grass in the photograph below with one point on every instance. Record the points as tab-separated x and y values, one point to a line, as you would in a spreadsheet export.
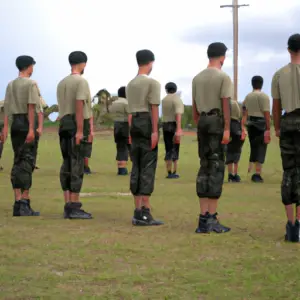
106	258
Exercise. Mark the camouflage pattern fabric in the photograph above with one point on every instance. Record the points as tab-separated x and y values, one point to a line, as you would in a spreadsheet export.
290	156
172	149
210	177
121	135
144	159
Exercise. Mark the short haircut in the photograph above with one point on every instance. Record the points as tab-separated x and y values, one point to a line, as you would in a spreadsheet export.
171	87
216	50
122	92
257	82
144	57
294	43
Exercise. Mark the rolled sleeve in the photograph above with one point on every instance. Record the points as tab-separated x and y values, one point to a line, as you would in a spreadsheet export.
154	93
275	91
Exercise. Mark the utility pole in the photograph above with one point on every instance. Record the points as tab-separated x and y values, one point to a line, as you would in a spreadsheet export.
235	20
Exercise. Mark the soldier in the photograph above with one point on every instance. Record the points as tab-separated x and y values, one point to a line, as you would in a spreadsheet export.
211	92
257	111
1	128
119	109
143	95
74	101
40	118
234	147
172	110
21	99
286	97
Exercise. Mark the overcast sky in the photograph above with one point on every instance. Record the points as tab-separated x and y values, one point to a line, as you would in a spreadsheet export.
111	32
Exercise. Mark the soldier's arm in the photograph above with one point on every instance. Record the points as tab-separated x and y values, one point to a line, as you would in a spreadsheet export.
154	101
196	115
226	93
6	114
33	101
266	110
179	110
82	95
277	108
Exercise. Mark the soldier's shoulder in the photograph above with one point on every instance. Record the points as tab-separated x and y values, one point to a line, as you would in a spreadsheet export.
283	70
263	94
154	82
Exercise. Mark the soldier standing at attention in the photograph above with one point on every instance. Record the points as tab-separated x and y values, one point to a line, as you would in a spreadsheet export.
234	147
257	110
172	110
143	95
21	99
119	110
89	121
211	91
40	119
1	128
73	96
286	97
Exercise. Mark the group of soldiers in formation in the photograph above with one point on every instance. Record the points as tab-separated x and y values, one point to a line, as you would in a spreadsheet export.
221	131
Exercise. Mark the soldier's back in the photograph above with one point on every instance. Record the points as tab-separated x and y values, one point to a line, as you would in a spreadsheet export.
68	91
208	88
119	109
141	92
256	103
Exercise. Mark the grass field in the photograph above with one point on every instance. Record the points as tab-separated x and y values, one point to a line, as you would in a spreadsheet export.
48	257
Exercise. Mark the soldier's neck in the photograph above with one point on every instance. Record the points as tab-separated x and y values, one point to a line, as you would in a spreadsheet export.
143	71
214	64
256	90
24	75
295	60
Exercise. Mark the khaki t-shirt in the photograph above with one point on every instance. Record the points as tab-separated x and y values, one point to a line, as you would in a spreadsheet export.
208	89
19	93
235	110
119	110
141	93
286	87
257	103
172	105
71	89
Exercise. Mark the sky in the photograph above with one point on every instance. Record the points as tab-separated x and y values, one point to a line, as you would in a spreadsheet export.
110	33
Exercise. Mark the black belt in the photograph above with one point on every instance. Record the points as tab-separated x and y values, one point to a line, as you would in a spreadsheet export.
213	112
252	118
141	114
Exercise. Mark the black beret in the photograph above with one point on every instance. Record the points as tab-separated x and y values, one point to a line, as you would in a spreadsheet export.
122	92
24	61
216	50
257	78
294	42
144	57
171	86
77	57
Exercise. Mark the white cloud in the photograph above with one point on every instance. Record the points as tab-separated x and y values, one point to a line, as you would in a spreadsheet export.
111	32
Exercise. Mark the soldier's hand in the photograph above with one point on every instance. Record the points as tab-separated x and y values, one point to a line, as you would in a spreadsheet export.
277	133
226	137
177	137
30	137
244	134
154	140
78	138
39	131
91	136
3	135
129	140
267	137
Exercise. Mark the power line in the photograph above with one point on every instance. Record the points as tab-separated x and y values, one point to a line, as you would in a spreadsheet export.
235	19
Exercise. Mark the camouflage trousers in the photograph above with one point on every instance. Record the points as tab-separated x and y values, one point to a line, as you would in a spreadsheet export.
144	159
121	135
210	177
290	156
1	144
234	147
24	154
172	149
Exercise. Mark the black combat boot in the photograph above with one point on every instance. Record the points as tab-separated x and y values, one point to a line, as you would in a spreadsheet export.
143	217
291	231
257	178
237	178
202	224
297	231
122	171
74	211
16	209
87	170
231	178
26	210
215	226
